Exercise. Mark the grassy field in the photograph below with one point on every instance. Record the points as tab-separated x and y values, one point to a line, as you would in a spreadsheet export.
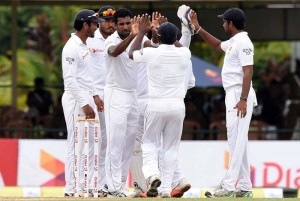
141	199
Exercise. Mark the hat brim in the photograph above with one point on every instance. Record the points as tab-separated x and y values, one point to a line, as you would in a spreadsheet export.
106	17
97	20
221	16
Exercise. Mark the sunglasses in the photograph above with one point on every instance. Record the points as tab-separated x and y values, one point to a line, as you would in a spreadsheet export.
108	12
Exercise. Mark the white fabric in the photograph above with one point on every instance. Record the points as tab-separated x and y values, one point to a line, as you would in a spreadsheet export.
239	52
73	111
237	134
167	79
142	82
161	61
98	70
121	71
76	70
163	129
121	115
102	152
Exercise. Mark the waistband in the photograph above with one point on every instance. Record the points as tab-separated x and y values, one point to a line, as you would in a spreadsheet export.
233	87
121	89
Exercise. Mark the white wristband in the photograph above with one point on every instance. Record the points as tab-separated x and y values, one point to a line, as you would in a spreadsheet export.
154	44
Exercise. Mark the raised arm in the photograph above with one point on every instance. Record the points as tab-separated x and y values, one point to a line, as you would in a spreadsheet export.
144	26
121	47
210	39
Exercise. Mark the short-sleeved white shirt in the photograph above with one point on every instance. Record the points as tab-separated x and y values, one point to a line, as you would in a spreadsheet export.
239	52
98	70
76	70
121	70
166	70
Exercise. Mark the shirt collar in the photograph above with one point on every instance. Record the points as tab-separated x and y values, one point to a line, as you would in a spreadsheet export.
165	46
98	34
77	39
239	35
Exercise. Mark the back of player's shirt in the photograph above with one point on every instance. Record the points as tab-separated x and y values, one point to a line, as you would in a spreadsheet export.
166	70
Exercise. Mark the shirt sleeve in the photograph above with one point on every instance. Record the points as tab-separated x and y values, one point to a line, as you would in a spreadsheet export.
246	53
108	43
70	61
190	83
142	55
224	45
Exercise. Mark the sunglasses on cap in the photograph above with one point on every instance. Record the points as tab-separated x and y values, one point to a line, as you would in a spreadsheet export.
108	12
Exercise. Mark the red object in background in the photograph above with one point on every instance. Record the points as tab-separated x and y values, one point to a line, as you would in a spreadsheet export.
9	161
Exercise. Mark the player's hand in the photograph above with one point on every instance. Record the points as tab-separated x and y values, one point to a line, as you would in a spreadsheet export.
154	21
99	103
135	25
88	111
144	24
241	107
194	20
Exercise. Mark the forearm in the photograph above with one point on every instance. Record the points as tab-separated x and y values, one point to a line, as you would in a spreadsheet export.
121	47
246	83
136	45
210	39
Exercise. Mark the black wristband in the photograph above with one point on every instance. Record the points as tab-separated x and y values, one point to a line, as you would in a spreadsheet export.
243	98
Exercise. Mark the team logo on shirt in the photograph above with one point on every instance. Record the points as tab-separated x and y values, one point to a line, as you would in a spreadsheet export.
93	50
83	56
70	60
247	51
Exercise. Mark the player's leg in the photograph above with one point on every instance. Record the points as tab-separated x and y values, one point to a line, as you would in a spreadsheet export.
68	104
137	157
115	102
154	124
237	134
179	183
102	154
171	135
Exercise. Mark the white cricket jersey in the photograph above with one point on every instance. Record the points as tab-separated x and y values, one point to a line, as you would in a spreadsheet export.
142	82
98	70
166	70
121	70
239	52
76	70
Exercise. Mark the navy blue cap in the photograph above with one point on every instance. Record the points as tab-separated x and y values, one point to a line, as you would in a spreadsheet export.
167	32
86	15
233	14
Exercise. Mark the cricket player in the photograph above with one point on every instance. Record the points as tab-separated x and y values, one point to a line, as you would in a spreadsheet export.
120	99
179	184
79	99
240	98
98	72
166	69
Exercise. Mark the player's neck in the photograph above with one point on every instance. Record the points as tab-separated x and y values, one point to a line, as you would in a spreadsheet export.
82	36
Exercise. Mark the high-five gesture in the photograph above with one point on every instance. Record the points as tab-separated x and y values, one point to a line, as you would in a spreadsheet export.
135	25
144	24
194	20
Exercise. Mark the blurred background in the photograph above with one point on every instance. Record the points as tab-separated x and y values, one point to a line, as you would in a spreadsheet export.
33	33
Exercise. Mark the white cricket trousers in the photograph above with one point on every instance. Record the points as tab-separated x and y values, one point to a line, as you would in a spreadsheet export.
163	130
102	152
137	156
237	135
121	116
73	111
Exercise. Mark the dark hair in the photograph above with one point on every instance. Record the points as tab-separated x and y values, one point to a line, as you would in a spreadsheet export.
122	12
79	24
238	24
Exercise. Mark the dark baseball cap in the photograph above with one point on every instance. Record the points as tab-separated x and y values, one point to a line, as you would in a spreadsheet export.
86	15
106	12
167	32
233	14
